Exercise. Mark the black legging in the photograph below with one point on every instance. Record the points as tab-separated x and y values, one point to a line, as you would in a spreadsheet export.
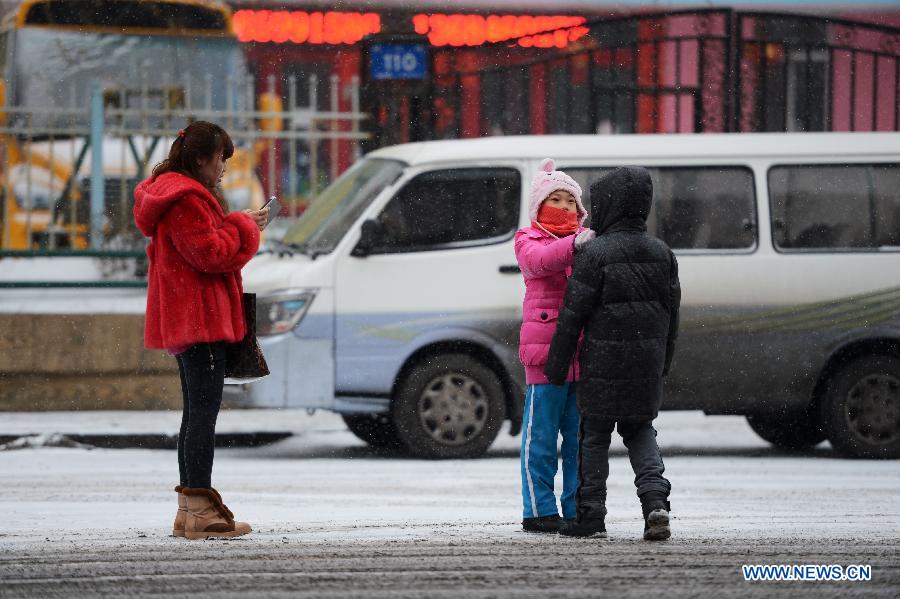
202	369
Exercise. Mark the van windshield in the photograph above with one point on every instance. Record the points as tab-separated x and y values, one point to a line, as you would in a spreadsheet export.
331	215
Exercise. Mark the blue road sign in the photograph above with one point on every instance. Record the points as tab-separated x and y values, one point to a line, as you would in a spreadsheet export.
397	61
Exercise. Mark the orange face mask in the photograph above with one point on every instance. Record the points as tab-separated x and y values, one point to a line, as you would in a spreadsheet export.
557	221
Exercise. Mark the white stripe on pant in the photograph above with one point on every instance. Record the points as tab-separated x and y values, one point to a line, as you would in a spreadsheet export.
534	509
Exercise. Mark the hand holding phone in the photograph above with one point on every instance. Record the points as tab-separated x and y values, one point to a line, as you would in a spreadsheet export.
274	206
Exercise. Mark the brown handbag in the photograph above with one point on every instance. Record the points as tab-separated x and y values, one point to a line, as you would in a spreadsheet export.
244	360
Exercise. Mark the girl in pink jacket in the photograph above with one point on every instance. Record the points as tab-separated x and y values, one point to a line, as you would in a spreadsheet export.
544	252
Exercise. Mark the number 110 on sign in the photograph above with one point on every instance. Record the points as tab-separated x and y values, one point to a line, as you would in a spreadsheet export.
401	63
397	61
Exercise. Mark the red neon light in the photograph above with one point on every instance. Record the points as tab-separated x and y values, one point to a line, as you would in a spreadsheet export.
475	30
301	27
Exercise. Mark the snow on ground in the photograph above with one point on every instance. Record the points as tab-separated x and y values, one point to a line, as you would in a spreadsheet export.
55	269
323	482
73	301
677	430
65	301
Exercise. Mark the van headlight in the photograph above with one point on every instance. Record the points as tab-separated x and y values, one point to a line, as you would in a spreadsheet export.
281	312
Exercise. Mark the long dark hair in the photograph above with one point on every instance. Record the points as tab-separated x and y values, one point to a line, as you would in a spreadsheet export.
199	140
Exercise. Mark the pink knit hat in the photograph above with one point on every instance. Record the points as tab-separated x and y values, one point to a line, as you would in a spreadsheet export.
545	182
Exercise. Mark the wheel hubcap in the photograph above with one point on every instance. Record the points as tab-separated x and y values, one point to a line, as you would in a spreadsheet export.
873	408
453	409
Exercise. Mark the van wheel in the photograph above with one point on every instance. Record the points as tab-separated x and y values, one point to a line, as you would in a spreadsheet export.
862	408
377	430
449	406
793	431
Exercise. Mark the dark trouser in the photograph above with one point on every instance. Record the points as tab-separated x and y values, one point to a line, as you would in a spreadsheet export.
593	467
202	369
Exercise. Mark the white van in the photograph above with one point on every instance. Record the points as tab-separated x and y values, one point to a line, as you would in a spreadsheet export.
396	299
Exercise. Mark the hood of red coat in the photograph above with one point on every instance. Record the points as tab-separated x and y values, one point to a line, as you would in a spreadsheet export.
154	196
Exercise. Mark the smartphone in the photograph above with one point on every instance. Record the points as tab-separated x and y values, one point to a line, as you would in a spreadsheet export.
274	207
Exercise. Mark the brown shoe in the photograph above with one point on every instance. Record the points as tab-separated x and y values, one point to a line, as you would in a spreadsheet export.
181	514
207	516
222	503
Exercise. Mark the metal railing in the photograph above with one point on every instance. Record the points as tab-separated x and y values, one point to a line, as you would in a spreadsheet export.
698	70
67	174
812	73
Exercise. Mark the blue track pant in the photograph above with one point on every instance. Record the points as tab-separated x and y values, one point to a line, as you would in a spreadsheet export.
549	411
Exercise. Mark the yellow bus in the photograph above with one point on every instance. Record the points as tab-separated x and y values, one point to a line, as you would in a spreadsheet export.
159	64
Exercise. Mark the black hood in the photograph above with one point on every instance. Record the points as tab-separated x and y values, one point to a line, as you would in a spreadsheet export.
621	200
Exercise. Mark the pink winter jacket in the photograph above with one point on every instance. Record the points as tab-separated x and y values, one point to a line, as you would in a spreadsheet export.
546	264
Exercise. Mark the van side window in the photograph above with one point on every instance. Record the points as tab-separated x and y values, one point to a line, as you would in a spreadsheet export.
711	207
835	207
434	209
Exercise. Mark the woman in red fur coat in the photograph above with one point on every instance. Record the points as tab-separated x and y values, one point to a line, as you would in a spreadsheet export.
194	303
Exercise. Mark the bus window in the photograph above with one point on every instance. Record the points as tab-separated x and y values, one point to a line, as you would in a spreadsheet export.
141	66
835	207
127	14
4	48
696	208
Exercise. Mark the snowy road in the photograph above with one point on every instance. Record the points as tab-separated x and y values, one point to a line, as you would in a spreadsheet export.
332	518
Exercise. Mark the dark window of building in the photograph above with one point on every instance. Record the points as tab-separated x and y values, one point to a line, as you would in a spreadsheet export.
808	98
613	90
558	97
835	207
456	206
505	101
568	95
710	207
792	81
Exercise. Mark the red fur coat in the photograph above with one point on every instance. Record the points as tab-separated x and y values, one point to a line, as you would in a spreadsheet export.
196	254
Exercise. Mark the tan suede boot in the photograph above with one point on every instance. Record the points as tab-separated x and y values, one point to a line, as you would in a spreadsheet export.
222	502
208	517
181	514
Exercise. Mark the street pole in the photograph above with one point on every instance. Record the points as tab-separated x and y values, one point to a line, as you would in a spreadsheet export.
97	182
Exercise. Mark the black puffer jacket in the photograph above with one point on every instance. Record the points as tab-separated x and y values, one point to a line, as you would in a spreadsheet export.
624	293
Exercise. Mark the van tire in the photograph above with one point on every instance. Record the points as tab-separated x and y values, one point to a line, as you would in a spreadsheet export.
791	431
861	411
377	430
440	390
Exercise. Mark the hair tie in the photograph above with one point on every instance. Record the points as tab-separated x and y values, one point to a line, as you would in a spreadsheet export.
181	134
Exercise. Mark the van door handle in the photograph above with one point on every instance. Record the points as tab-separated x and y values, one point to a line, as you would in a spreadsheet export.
510	269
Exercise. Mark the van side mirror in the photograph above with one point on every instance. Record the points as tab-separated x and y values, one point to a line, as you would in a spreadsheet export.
371	235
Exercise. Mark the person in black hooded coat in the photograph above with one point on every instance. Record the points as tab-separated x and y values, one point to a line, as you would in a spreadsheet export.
624	295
